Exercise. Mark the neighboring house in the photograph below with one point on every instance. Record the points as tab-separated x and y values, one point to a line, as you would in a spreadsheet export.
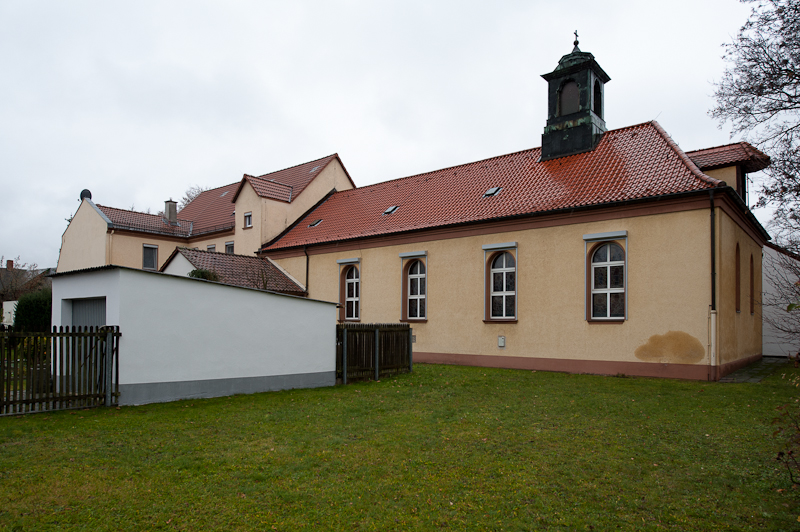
237	270
781	272
601	252
16	282
236	218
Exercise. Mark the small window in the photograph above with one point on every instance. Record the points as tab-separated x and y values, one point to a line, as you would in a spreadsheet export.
315	223
212	248
391	209
149	257
492	192
608	282
352	293
416	291
229	247
248	219
503	287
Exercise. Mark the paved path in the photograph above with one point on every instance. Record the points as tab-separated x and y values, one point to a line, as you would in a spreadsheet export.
757	371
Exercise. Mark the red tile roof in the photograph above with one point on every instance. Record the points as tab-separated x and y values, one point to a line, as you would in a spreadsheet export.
148	223
720	156
240	270
629	163
287	184
211	209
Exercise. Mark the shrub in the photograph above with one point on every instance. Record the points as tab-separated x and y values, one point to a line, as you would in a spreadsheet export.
34	311
208	275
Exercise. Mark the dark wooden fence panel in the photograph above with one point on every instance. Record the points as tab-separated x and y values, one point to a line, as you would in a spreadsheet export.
391	341
67	368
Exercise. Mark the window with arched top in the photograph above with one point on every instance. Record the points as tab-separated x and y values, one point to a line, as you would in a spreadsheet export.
352	293
503	287
738	267
416	296
598	99
608	282
568	99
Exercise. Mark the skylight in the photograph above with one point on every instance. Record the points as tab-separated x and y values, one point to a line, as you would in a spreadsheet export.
315	223
314	169
223	194
492	192
391	209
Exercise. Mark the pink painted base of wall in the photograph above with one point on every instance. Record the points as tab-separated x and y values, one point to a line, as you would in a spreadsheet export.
599	367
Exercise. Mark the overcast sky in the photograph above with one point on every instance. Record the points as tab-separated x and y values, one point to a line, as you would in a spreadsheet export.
137	101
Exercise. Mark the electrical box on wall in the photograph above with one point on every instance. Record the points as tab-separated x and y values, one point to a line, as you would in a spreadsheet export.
413	338
501	341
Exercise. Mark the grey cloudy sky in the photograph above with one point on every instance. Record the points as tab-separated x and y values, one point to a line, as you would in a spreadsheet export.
137	101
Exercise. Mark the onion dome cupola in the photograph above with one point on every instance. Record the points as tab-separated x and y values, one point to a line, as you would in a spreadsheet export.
574	105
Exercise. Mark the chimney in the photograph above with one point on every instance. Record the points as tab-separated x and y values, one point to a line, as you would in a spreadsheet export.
9	265
171	211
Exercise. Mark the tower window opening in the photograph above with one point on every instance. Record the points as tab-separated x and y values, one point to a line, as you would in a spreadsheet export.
569	99
598	99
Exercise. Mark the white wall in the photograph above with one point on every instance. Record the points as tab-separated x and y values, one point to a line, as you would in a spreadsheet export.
773	343
9	307
179	266
217	338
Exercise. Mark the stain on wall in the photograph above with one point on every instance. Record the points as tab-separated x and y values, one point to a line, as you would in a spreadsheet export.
674	347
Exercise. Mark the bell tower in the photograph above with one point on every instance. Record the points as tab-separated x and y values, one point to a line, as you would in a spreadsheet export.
574	105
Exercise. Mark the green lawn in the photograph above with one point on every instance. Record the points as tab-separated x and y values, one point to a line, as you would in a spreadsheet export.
443	448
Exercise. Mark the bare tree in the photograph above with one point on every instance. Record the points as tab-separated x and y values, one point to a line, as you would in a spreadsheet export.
17	280
191	193
759	95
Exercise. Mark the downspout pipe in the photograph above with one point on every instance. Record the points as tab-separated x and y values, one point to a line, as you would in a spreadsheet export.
713	313
305	250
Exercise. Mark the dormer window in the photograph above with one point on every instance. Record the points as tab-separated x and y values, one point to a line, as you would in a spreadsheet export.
315	223
391	209
494	191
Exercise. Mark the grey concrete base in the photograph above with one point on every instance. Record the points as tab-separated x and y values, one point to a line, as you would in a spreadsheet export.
161	392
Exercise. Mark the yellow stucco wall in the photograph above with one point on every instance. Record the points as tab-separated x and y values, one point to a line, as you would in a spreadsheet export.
739	333
83	244
127	249
248	241
668	292
727	174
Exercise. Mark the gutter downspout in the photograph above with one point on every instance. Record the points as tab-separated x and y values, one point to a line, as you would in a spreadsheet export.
713	313
305	250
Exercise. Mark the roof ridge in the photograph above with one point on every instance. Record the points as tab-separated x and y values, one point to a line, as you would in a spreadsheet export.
685	158
217	188
741	143
296	165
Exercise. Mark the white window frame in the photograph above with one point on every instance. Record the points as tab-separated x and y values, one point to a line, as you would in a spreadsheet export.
355	299
504	294
494	250
232	251
153	247
422	291
248	220
595	241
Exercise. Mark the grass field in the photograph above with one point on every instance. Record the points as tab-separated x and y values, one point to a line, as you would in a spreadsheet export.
443	448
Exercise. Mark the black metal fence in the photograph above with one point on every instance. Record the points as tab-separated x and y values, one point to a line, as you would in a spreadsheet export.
373	350
64	369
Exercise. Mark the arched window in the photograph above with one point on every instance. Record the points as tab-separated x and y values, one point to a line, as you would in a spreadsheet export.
568	99
352	294
608	282
598	99
752	288
417	290
503	286
738	281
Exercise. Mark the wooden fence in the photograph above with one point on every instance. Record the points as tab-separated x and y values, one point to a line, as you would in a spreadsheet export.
373	350
64	369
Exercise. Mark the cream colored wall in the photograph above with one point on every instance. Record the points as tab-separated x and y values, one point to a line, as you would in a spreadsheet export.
279	215
127	249
727	174
668	292
739	333
248	241
83	244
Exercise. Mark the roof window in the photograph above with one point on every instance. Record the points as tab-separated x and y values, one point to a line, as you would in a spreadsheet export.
315	223
492	192
314	169
224	193
391	209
